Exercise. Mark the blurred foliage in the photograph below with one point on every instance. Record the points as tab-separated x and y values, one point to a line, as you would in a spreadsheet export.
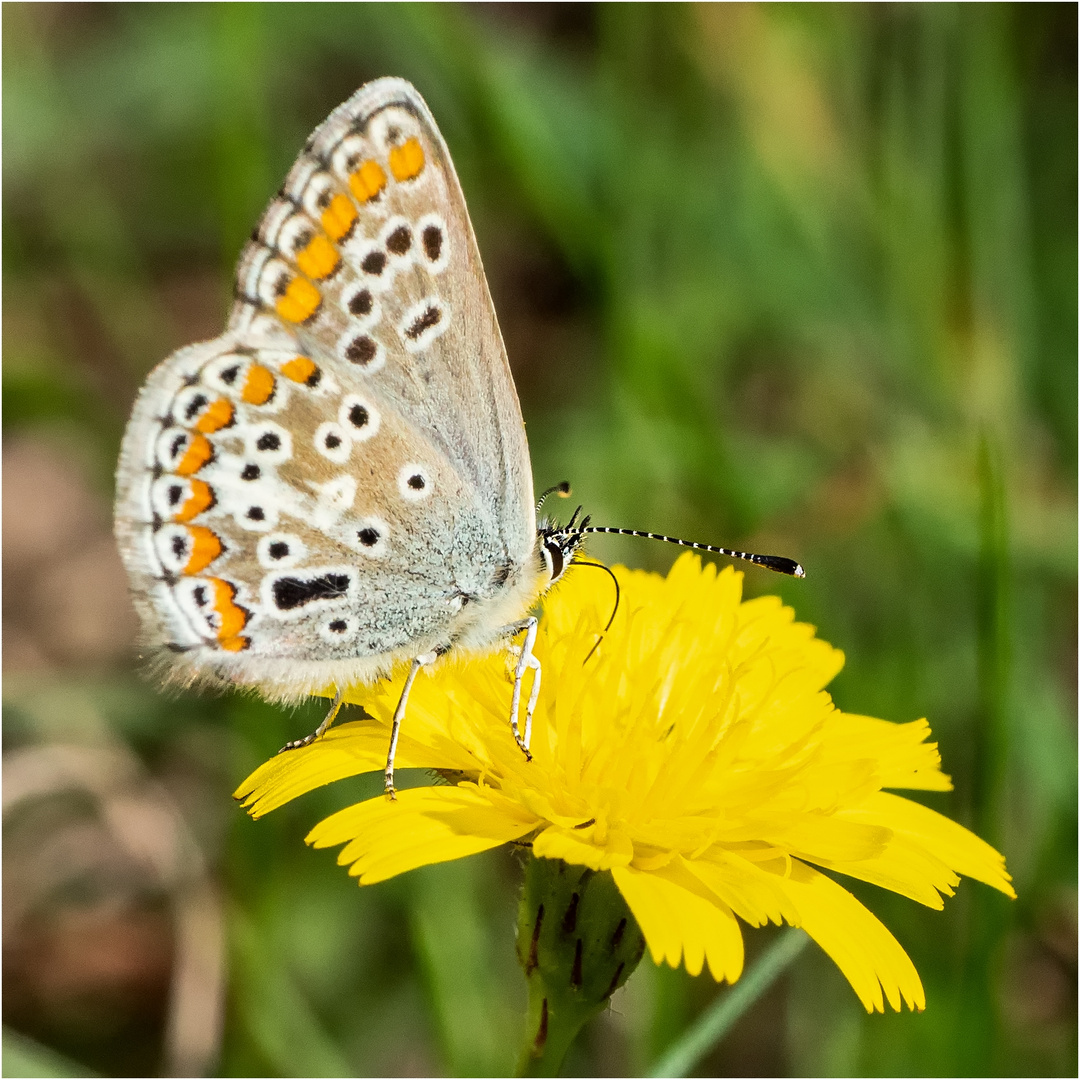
799	279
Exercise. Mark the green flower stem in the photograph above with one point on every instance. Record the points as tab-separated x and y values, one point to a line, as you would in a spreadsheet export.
577	943
721	1016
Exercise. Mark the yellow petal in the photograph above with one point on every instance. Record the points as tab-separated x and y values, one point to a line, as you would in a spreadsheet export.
348	750
958	848
871	959
905	759
384	837
678	920
905	868
815	836
754	895
556	843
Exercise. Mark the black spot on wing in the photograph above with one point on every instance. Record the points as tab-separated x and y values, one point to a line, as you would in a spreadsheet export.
432	239
361	302
400	240
374	263
362	350
424	321
290	593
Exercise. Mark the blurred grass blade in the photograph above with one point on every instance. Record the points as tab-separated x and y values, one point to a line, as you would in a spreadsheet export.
276	1013
994	646
453	941
24	1057
721	1016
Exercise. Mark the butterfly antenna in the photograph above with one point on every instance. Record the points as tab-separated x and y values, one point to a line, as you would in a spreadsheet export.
614	610
771	562
562	489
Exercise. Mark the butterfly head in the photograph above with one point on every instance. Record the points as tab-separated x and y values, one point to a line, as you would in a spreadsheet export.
559	543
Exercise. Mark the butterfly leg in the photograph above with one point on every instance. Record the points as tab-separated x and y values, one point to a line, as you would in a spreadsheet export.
526	660
399	714
307	740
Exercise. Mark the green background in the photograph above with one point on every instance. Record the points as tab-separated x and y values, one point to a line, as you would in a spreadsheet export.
797	279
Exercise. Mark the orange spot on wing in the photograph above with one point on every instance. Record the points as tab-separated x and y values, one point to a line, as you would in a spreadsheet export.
299	370
339	217
367	181
407	160
198	453
205	548
300	302
215	416
200	499
234	644
319	259
232	617
258	385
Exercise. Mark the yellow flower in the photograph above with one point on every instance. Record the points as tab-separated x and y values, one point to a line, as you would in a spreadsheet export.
695	755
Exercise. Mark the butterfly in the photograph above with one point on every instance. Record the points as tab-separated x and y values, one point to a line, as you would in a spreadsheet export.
340	483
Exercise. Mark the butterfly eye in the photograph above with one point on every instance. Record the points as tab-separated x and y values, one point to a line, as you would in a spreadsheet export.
554	559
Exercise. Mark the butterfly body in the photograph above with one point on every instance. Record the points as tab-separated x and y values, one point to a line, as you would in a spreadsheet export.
341	481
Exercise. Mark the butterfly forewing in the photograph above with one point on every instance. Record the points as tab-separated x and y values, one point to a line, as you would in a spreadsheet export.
346	467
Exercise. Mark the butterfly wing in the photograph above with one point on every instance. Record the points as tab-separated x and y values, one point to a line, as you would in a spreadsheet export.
326	487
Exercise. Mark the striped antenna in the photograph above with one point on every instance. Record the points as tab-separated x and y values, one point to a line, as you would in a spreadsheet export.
770	562
562	489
